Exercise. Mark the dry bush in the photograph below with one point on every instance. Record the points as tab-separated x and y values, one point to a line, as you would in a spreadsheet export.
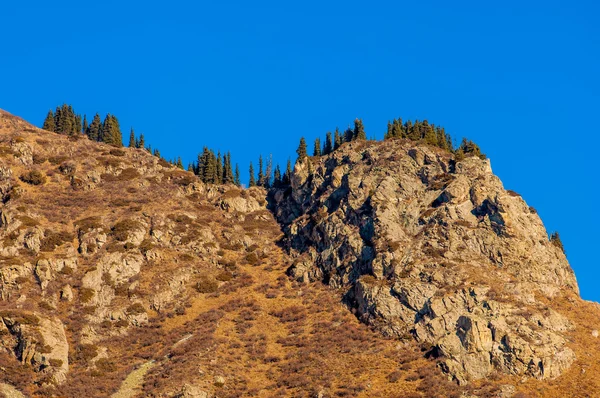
34	177
252	259
117	152
207	285
136	309
67	168
28	222
22	318
55	160
54	239
224	276
86	294
109	162
89	223
512	193
121	229
85	352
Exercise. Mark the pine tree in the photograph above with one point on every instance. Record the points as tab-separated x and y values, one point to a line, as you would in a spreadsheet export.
328	144
261	176
94	130
348	135
84	127
190	168
141	143
428	133
156	153
77	125
389	133
277	177
236	179
337	139
132	138
301	151
219	173
179	163
287	176
268	172
252	181
228	177
359	130
117	137
317	147
49	124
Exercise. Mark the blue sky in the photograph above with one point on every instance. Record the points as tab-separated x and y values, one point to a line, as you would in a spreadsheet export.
519	78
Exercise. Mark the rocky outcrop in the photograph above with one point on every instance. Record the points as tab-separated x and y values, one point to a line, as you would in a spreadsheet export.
429	247
37	341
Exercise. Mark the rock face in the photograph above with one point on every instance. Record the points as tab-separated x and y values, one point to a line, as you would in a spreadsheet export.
37	341
429	247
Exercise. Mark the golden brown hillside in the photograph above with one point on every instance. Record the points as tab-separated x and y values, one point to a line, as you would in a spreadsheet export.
123	276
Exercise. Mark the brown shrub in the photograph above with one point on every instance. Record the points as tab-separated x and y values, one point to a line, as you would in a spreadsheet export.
224	276
86	294
117	152
252	258
89	223
57	159
135	309
54	239
85	352
120	230
207	285
34	177
67	168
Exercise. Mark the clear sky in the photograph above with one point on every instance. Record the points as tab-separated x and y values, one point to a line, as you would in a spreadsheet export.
520	78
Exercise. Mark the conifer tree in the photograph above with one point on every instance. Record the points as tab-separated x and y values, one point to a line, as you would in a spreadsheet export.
77	125
49	124
317	147
389	133
228	177
268	173
94	130
132	138
287	176
301	151
328	144
261	176
337	139
359	130
252	181
190	168
141	143
277	177
236	178
179	163
156	153
84	126
428	133
219	174
348	135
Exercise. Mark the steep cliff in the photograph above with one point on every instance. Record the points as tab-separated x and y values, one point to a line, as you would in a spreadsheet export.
434	248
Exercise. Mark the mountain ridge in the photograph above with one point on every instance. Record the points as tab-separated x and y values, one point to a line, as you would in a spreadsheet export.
120	248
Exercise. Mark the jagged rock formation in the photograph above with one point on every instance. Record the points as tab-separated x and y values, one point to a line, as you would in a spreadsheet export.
428	246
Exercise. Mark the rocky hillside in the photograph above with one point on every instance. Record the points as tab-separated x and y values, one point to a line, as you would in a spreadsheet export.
123	276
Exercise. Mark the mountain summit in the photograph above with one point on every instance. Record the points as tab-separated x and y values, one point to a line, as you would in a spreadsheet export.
383	269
